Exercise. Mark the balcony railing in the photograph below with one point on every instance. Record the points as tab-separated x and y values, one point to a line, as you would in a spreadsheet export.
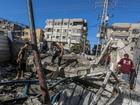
120	33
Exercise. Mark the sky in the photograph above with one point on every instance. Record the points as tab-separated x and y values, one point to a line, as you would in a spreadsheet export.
119	11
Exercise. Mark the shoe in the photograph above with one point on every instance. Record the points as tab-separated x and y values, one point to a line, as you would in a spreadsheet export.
132	87
17	78
114	93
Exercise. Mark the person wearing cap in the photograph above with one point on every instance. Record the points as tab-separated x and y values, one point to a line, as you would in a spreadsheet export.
58	52
21	61
126	67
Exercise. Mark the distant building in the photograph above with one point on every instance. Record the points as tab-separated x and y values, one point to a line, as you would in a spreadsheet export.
124	36
123	30
6	25
39	34
67	31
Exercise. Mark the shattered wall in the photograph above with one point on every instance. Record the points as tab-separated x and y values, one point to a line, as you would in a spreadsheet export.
4	49
16	45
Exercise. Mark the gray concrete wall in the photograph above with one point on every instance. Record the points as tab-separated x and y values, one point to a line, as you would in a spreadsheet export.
16	45
4	49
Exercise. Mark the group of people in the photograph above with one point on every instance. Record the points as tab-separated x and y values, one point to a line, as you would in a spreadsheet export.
23	54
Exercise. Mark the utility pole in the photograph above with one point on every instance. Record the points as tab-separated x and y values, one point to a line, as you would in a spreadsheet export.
102	32
41	76
104	20
105	4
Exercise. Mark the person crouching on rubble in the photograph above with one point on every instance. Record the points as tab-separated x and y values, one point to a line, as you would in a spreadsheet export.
21	60
58	52
126	67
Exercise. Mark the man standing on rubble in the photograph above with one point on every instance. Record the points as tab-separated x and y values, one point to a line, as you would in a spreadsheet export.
126	67
58	52
21	60
44	46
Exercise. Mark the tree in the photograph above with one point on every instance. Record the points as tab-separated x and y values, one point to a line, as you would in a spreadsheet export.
76	48
83	46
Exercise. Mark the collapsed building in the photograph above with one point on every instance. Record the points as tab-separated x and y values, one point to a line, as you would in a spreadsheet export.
79	81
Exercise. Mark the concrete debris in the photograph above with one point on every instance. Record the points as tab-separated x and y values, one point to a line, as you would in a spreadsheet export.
32	101
70	82
7	72
76	82
75	95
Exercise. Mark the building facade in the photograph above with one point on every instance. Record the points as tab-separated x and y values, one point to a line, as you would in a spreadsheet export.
39	34
123	30
67	31
124	36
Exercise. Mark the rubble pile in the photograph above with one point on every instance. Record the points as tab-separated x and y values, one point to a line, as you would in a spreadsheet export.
10	92
85	81
72	65
75	82
7	72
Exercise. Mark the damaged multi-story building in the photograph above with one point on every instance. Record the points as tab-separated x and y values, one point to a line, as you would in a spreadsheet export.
67	31
16	28
39	34
121	30
123	37
124	32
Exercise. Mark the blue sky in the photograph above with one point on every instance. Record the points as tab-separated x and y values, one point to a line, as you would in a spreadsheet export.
123	11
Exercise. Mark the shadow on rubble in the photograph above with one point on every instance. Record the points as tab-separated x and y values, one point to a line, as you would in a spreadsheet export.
17	101
126	96
60	70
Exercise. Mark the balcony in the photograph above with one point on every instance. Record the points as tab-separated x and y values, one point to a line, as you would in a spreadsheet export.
121	25
47	33
77	27
74	41
120	34
48	26
65	26
77	20
76	34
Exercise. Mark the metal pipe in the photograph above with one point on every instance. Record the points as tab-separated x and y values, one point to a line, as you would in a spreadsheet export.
42	81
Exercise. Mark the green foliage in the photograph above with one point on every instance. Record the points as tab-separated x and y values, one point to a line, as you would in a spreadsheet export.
80	47
76	48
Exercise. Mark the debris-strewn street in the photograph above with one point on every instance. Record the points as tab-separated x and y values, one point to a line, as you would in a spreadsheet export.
73	81
80	80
